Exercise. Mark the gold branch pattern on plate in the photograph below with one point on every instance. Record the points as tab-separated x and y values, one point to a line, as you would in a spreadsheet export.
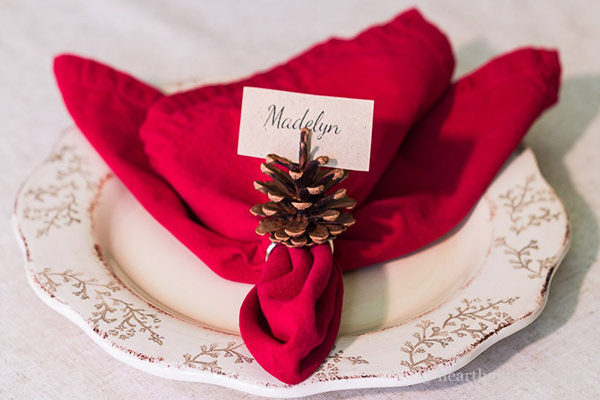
485	314
209	356
57	203
123	318
527	205
329	369
522	258
474	318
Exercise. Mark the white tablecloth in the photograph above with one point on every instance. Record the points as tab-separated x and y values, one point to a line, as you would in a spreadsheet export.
45	356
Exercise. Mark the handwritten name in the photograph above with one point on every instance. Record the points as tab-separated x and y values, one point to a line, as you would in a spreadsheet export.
278	119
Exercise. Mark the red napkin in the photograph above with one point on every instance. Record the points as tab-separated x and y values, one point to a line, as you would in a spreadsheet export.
450	157
417	189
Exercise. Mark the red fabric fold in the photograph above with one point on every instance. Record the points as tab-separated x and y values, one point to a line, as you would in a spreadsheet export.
109	106
290	319
208	118
451	156
435	150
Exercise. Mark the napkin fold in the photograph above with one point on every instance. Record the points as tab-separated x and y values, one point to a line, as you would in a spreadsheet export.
290	319
404	66
435	149
451	156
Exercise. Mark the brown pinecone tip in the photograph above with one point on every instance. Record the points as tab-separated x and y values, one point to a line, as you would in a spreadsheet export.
302	209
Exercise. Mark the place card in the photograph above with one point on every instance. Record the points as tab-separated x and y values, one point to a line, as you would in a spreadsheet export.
271	121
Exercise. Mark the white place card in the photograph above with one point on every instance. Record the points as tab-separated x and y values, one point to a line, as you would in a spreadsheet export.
341	127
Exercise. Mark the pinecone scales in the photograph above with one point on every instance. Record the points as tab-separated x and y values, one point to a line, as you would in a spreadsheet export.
303	209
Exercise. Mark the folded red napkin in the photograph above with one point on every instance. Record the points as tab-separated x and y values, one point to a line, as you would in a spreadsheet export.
177	155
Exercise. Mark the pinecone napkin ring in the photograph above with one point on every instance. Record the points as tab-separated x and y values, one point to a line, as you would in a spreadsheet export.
302	210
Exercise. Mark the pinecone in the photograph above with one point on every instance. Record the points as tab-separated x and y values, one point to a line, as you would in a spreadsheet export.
302	210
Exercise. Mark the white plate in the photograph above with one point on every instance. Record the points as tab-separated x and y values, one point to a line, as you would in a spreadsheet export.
94	255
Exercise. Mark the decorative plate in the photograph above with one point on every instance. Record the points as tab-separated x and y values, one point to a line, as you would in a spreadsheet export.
94	255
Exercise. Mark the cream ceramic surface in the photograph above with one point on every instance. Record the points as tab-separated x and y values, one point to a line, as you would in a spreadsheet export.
89	248
148	258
